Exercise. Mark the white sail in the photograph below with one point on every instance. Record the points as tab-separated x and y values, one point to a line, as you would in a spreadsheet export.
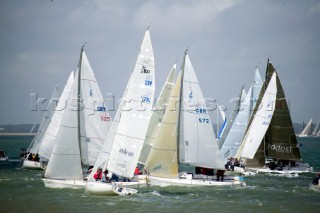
307	130
64	162
157	115
80	117
240	122
234	138
257	85
135	115
107	146
50	135
163	159
95	120
316	129
37	140
197	145
260	122
231	119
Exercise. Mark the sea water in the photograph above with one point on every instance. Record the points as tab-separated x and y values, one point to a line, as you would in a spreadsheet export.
22	190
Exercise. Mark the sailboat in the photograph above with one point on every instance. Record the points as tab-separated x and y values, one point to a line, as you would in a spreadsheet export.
185	137
306	132
32	160
231	140
122	147
270	144
83	129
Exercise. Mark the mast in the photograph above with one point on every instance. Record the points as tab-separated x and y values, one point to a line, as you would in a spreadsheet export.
180	104
78	103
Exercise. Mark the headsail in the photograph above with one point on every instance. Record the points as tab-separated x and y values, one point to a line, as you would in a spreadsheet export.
157	115
261	121
137	110
238	128
163	159
38	138
53	127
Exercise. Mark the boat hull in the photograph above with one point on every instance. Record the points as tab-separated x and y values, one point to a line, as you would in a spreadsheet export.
300	168
102	188
4	158
71	184
28	164
164	182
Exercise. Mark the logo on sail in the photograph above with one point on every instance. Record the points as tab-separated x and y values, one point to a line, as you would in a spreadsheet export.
125	152
144	70
101	109
279	148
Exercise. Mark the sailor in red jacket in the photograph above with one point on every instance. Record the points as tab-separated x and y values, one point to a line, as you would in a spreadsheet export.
98	174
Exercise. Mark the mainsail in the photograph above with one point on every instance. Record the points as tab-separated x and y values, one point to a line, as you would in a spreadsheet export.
239	124
232	118
197	141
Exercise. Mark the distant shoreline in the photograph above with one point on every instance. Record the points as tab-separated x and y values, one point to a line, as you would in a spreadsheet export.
16	134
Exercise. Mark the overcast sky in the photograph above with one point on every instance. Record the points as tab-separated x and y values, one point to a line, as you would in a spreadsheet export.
40	43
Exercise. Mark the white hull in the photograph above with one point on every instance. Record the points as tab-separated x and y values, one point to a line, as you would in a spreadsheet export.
285	170
102	188
71	184
28	164
303	136
163	182
4	158
120	190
